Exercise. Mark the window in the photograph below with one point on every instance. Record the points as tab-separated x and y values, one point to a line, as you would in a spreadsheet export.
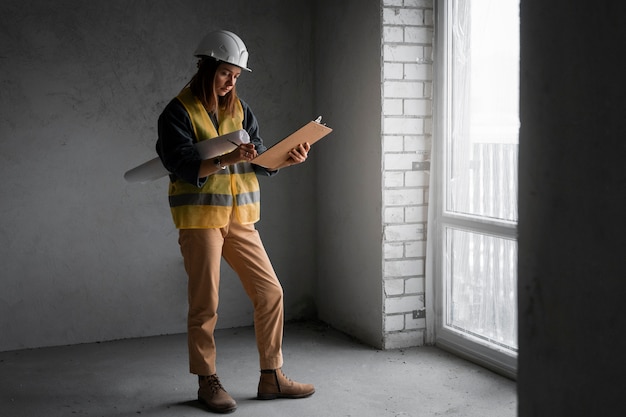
475	193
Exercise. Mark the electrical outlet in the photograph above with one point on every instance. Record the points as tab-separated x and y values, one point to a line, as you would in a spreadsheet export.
419	314
421	166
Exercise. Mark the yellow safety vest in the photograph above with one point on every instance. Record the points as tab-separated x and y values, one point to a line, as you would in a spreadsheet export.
234	188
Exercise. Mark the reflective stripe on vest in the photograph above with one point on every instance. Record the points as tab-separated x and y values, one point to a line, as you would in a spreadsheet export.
235	187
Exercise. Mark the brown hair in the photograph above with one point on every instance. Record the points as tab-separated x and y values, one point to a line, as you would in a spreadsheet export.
202	86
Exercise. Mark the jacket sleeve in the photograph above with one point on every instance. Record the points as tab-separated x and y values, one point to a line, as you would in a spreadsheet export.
175	144
251	126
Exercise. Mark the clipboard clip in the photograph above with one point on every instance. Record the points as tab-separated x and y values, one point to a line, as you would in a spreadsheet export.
319	120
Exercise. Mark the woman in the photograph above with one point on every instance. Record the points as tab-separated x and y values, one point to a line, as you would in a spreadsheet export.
214	204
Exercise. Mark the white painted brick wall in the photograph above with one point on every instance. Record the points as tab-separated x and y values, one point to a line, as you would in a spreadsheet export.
395	322
403	304
407	127
394	287
404	16
404	89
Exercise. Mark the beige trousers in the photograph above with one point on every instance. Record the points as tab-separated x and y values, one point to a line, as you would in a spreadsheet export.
241	247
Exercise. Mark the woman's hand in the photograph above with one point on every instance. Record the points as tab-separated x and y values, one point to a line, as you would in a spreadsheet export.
244	152
299	154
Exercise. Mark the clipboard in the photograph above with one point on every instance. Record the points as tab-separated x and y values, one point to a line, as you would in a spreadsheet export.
278	153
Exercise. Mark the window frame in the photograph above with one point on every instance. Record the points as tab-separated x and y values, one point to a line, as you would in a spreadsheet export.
498	360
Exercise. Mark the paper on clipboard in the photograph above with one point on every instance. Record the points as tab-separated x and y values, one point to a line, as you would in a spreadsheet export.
279	152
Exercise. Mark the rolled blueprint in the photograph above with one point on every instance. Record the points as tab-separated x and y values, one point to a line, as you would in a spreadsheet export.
210	148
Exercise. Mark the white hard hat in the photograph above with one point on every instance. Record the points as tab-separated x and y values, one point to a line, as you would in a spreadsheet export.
224	46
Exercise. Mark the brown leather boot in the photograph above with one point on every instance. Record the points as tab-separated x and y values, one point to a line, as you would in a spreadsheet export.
214	395
274	384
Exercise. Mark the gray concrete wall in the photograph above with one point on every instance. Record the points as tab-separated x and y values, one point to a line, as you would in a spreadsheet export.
86	256
349	167
572	228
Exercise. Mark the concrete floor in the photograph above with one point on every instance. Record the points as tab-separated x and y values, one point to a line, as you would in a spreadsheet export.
149	377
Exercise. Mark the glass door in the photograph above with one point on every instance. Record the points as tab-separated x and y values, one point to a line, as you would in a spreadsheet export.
476	198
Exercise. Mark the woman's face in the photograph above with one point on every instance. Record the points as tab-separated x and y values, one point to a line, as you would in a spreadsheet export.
226	78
